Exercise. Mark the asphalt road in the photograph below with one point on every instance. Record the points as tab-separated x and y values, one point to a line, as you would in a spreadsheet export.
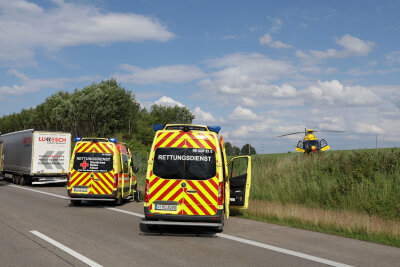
39	229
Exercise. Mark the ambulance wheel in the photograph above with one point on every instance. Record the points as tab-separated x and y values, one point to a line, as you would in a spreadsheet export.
119	200
220	228
136	196
76	202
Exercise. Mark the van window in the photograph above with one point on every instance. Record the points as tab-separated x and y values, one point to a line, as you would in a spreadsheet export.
125	163
93	162
184	163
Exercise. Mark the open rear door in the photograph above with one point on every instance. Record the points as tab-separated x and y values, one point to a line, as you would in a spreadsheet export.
239	169
225	178
1	156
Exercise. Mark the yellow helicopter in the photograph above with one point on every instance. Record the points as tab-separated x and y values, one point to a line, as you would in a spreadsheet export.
311	144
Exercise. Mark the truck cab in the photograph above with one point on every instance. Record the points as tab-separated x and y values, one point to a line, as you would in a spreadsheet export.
189	181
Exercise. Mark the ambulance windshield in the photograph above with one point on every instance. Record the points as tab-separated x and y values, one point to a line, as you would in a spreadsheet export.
93	162
184	163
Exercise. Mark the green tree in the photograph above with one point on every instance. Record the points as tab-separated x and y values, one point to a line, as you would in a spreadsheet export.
228	149
246	148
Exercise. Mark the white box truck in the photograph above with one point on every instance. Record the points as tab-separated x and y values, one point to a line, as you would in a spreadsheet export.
35	157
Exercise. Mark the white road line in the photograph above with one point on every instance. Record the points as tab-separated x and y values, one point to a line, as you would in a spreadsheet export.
127	212
66	249
230	237
37	191
282	250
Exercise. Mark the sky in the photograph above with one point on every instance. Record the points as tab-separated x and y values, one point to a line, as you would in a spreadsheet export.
258	69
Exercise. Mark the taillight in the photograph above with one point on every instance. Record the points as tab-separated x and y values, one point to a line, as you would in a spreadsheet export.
220	193
115	181
146	191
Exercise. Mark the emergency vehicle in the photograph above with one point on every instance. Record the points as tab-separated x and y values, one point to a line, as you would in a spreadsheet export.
189	181
101	169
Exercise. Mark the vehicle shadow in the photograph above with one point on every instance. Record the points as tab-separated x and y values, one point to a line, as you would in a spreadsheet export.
96	204
175	230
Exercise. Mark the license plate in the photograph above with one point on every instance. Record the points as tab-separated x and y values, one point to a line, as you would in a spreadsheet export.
80	189
165	207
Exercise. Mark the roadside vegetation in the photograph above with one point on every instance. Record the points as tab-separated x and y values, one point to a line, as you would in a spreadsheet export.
349	193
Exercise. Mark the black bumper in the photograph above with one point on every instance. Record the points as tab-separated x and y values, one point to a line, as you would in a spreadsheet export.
75	195
218	217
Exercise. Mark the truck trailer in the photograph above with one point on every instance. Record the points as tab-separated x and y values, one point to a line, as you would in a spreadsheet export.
35	157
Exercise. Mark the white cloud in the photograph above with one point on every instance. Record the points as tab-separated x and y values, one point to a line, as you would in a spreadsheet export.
393	57
266	39
352	46
334	93
168	102
28	85
284	91
203	116
162	74
276	24
249	102
26	26
365	128
243	114
248	75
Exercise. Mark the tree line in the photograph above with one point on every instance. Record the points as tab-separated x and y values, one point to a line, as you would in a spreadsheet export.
232	150
103	109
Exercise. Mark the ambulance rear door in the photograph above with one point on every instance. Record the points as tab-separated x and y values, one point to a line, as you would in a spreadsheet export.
239	170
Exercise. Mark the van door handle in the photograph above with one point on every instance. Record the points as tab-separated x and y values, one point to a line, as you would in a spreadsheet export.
191	191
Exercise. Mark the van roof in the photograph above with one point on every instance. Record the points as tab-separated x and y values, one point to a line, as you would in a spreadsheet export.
186	127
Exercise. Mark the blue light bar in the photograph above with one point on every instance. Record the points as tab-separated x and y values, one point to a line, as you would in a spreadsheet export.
113	140
77	139
157	127
214	128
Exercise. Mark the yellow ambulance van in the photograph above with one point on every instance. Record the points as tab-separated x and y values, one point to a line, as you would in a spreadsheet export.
101	169
189	181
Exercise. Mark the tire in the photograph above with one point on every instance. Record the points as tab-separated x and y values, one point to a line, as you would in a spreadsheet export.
136	196
14	179
22	181
119	200
220	229
75	202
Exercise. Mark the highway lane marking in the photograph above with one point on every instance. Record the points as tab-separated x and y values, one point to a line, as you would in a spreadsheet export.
234	238
127	212
37	191
282	250
66	249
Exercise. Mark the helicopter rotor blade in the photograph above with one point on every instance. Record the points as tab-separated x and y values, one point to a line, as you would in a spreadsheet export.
333	131
289	134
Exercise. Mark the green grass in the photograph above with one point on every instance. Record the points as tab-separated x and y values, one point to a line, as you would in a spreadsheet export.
366	181
355	232
348	193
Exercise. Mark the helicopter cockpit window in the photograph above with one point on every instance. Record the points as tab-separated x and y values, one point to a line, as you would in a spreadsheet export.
308	144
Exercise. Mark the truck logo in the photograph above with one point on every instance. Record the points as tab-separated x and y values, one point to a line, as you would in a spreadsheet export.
84	165
53	139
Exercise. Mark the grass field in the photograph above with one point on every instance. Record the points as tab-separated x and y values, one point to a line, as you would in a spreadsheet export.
349	193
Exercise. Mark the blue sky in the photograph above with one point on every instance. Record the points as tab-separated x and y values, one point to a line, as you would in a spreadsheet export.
257	68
